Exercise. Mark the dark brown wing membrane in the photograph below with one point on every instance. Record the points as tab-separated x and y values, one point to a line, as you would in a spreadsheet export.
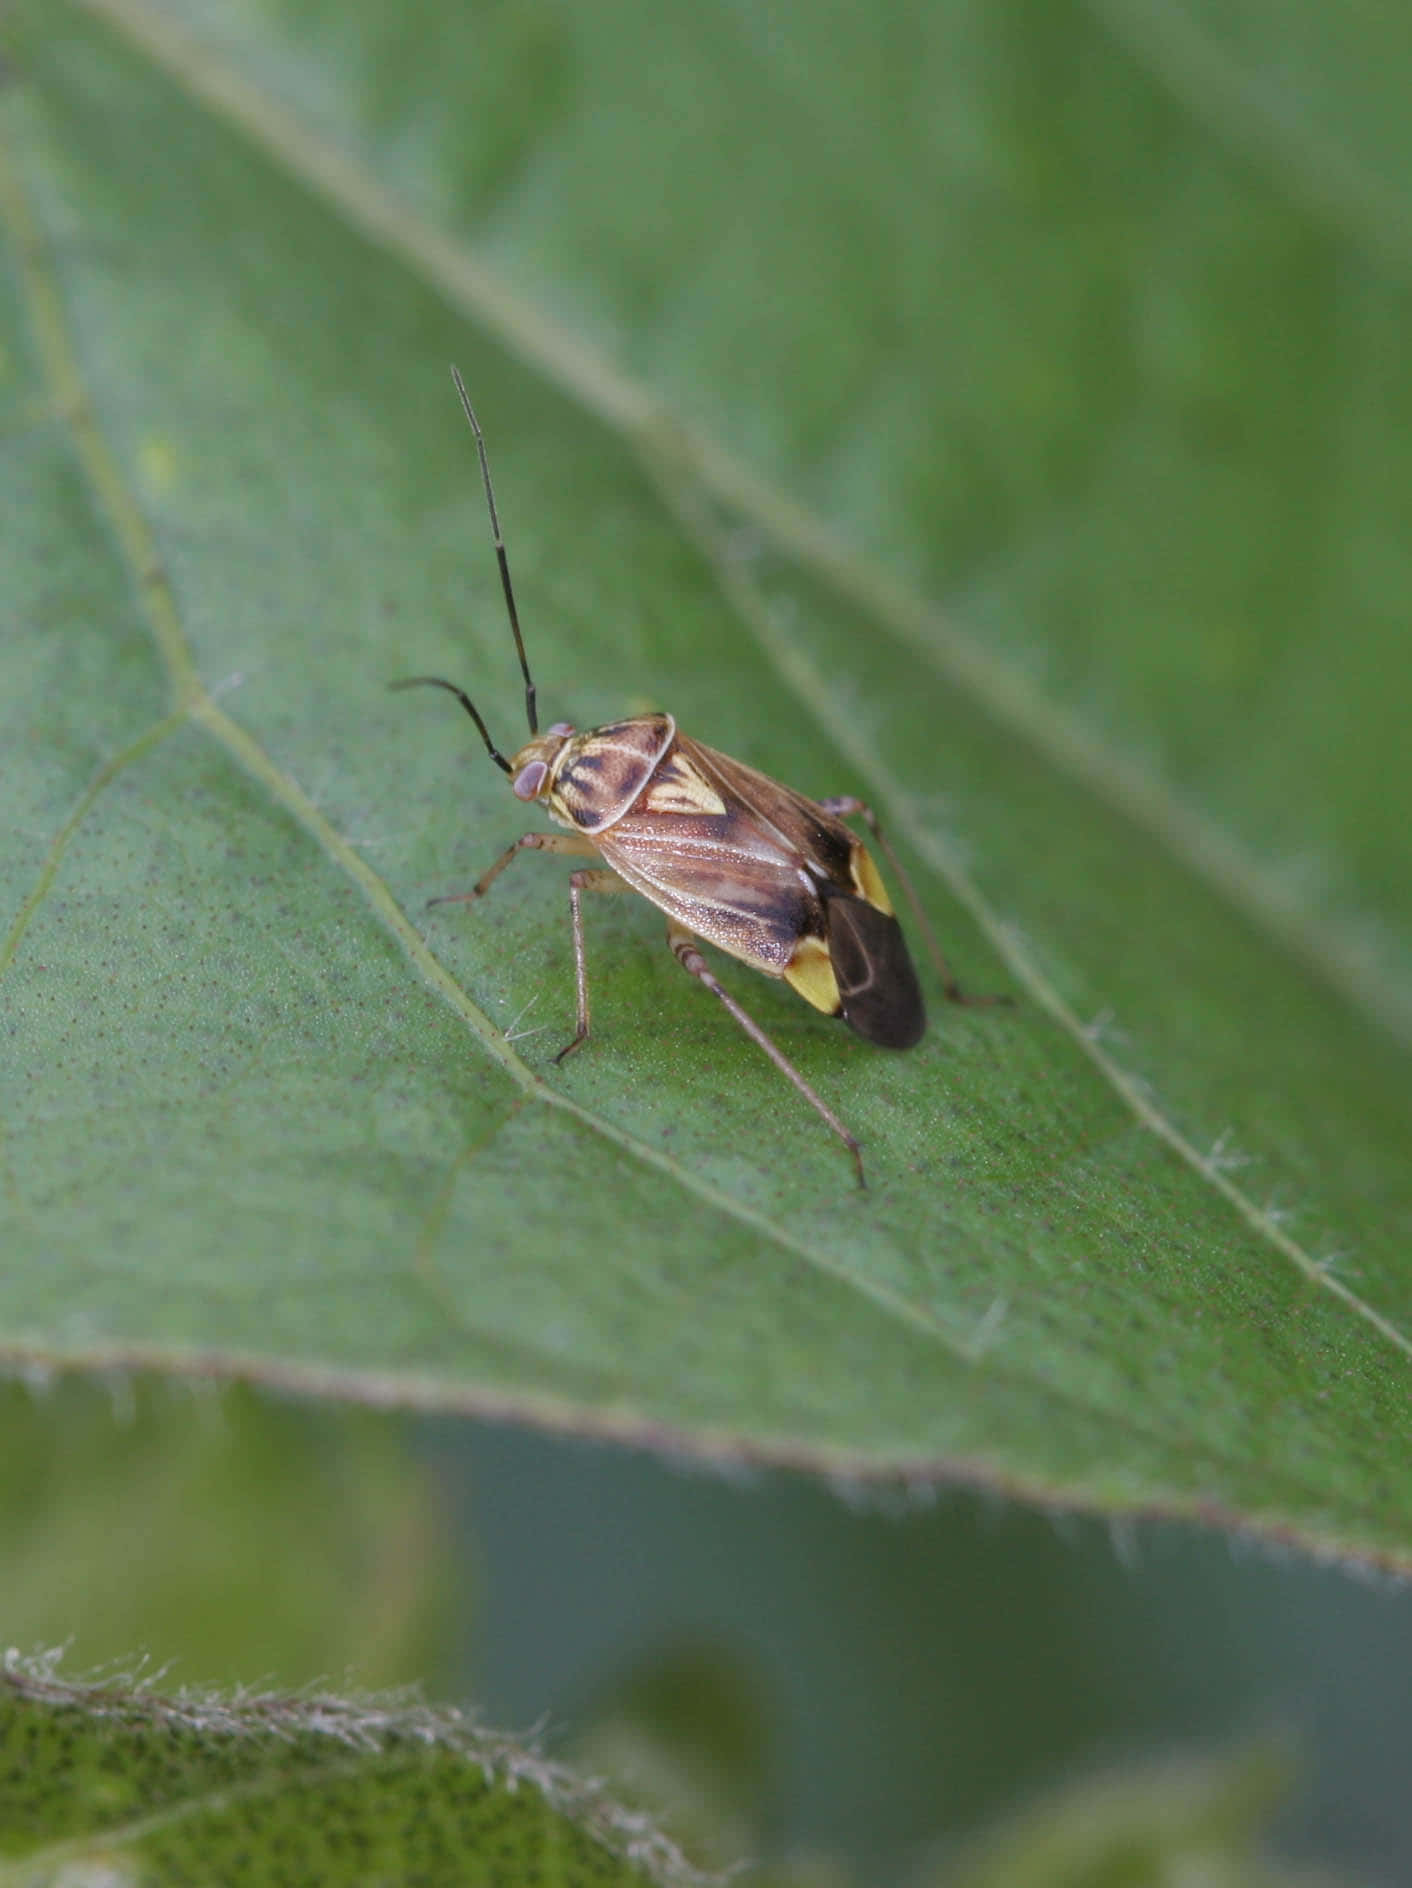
877	985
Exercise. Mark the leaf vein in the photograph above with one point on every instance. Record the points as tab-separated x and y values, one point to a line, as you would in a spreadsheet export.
799	674
1334	949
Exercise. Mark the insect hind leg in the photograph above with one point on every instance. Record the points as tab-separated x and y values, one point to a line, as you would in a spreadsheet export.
845	806
689	957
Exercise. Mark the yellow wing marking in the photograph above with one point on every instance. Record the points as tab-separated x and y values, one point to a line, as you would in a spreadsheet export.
810	972
868	879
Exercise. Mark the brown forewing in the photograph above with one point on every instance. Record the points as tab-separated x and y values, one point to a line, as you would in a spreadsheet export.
761	871
711	856
731	854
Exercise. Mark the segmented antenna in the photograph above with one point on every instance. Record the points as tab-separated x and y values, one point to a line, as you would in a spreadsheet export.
435	681
501	558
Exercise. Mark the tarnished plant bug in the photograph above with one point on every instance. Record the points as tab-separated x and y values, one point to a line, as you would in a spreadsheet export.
728	854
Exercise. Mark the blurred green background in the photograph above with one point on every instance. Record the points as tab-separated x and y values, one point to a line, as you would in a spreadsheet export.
1087	323
870	1679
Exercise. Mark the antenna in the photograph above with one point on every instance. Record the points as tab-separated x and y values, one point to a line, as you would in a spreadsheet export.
435	681
504	563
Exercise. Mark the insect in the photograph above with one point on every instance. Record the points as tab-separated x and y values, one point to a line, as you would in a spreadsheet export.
731	856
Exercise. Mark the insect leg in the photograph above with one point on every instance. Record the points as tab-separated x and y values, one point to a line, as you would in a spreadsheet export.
844	806
594	879
689	957
572	843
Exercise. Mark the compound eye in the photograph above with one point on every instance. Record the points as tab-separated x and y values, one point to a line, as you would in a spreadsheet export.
562	727
529	781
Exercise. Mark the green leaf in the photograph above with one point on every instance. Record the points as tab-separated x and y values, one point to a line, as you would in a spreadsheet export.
1153	1826
686	1735
159	1531
119	1778
1138	1245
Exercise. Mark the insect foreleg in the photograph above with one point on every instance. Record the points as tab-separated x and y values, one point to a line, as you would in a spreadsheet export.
573	844
845	806
689	957
595	879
